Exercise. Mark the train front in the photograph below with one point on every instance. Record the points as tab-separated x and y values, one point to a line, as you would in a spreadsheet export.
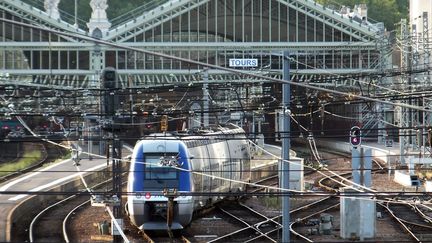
159	170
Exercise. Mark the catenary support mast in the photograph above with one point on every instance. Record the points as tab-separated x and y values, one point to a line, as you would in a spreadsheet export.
286	94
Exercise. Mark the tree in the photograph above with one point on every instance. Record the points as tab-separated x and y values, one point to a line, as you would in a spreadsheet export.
387	11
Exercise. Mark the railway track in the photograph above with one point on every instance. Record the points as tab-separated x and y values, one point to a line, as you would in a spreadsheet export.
50	225
330	183
260	228
272	180
172	237
416	223
252	222
256	228
411	219
300	217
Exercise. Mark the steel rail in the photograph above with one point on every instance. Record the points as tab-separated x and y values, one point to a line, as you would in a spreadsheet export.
426	217
400	221
66	219
249	226
268	219
33	222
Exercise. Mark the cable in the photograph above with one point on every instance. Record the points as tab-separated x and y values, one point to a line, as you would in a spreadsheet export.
275	80
234	71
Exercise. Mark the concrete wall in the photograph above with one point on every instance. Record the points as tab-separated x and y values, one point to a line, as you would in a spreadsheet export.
384	155
296	175
271	168
357	217
428	186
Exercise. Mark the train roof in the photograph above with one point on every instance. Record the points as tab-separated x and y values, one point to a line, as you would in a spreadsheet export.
220	131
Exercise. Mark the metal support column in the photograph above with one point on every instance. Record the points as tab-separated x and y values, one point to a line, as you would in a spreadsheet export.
97	63
381	126
404	117
205	99
117	184
385	58
427	102
286	94
416	141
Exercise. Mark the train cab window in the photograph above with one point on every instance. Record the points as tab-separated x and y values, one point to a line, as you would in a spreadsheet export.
155	170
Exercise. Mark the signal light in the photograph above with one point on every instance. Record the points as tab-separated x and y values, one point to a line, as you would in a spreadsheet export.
164	123
355	136
109	76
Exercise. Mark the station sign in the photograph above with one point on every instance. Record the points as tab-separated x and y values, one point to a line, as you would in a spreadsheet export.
243	62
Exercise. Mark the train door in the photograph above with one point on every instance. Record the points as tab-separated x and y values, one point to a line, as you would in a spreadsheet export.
228	163
245	162
207	181
215	152
198	166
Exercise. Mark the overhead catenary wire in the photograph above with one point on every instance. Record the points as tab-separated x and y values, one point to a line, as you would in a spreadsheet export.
235	71
306	86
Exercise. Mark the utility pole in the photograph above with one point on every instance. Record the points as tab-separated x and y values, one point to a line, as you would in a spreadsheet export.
286	95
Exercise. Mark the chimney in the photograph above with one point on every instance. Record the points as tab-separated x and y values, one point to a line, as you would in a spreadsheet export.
361	10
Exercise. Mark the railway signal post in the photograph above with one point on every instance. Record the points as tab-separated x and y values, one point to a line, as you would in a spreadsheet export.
117	186
357	214
109	107
361	159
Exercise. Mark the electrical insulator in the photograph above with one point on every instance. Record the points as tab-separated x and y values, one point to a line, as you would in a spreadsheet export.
430	136
419	137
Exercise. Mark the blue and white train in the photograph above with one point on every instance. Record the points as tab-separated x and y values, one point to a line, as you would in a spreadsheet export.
164	161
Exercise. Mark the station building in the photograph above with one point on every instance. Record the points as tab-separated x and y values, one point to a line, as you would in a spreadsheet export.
331	47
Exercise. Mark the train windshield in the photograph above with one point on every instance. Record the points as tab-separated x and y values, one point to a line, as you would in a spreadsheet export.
157	168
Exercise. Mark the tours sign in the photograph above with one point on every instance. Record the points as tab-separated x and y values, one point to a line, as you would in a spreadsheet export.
243	62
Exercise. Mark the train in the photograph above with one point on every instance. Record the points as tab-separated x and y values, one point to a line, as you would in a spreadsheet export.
188	164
